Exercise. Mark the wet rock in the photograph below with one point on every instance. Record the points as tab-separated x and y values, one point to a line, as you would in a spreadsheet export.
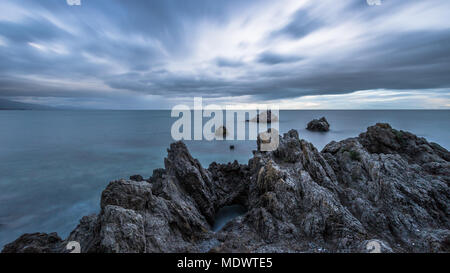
319	125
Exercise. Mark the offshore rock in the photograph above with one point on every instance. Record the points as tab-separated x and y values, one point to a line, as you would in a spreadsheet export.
319	125
265	117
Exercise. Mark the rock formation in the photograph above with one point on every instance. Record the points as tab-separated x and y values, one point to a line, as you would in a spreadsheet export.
386	188
319	125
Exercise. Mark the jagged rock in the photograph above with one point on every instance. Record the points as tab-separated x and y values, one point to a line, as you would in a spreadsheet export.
121	230
127	194
192	178
386	189
137	178
35	243
320	125
86	232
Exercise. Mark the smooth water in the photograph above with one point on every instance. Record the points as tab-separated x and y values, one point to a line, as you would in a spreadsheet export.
55	164
225	214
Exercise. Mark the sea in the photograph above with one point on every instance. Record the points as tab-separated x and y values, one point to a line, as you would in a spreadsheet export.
55	164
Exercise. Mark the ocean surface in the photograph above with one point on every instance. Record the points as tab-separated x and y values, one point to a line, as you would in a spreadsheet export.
55	164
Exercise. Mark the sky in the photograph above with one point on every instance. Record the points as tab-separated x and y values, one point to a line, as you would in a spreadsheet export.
298	54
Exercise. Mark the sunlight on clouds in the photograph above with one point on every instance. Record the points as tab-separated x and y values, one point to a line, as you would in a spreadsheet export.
372	99
233	53
59	49
37	46
72	84
135	40
367	99
12	13
243	37
63	24
425	15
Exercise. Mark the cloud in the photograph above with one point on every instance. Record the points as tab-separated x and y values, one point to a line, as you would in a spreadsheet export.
301	24
257	51
224	62
273	58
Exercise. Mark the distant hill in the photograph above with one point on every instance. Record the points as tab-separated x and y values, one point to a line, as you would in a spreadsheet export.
14	105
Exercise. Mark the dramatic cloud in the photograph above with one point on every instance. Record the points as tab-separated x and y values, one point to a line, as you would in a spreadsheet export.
155	54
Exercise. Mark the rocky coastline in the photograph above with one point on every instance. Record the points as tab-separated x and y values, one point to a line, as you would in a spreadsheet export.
384	186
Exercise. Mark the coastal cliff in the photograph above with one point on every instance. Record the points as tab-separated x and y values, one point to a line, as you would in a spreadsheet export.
385	186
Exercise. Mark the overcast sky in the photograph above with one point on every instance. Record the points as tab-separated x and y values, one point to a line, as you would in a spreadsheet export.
135	54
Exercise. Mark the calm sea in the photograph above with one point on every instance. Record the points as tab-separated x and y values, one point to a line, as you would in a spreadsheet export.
54	164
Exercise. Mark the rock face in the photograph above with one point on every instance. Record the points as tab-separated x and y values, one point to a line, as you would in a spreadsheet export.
385	190
319	125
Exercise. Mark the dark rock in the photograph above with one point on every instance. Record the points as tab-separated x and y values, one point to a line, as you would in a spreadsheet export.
385	191
127	194
35	243
231	147
221	132
264	117
319	125
121	230
137	178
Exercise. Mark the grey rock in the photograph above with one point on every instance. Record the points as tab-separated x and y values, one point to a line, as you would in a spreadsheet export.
122	230
137	178
385	188
264	117
320	125
35	243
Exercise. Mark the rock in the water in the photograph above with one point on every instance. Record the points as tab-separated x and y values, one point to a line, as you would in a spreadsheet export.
264	117
319	125
231	147
384	191
221	132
